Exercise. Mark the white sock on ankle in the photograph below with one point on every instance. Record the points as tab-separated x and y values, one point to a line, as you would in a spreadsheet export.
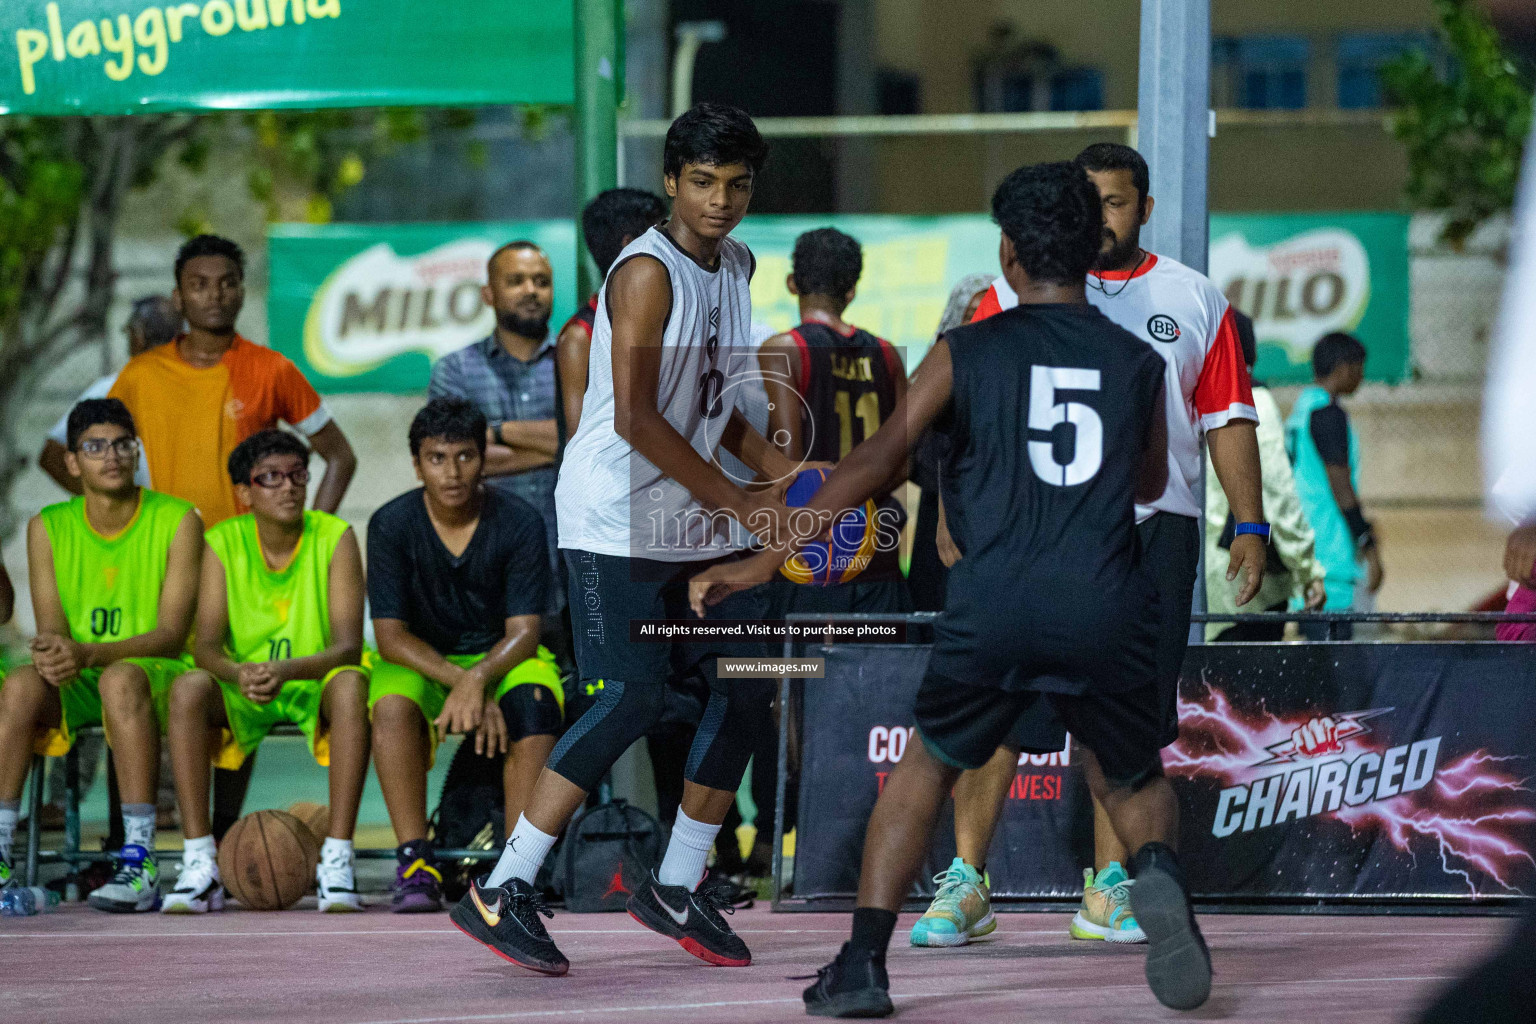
524	854
686	852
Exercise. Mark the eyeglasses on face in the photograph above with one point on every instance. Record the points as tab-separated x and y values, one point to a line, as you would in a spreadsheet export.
97	448
273	478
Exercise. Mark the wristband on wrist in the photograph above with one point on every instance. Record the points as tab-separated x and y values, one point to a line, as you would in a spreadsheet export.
1260	530
1359	528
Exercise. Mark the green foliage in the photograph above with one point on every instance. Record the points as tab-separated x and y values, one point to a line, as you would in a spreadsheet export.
1465	126
40	194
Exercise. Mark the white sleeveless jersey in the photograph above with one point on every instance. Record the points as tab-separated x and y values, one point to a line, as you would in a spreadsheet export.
1186	320
610	499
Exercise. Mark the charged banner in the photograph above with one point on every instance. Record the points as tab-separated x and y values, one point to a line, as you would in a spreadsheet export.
1340	771
137	57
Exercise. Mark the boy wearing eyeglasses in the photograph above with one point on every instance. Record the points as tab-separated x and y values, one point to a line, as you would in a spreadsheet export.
114	580
279	639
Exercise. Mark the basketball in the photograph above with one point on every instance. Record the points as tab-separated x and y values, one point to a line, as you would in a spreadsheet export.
845	554
316	816
268	860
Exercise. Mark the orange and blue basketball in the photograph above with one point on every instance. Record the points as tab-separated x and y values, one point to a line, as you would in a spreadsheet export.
847	553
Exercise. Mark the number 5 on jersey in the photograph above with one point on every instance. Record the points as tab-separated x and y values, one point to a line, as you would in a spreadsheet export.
1046	413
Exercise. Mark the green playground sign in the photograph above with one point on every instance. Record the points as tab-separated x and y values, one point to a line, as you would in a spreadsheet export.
136	57
369	307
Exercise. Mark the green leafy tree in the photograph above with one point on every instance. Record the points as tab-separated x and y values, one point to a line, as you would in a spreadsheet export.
1463	121
63	182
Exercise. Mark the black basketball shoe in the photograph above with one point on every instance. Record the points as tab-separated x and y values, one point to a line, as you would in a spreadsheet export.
853	985
1178	962
506	921
692	918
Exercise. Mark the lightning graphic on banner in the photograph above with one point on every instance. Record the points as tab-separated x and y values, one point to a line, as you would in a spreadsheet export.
1464	808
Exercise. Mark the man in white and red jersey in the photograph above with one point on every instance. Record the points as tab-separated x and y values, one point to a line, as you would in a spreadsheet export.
1187	320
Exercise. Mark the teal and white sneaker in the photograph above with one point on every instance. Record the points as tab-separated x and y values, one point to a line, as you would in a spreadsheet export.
135	885
961	910
1106	910
336	882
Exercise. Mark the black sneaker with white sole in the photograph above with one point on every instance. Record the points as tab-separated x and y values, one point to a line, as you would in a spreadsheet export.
853	985
692	918
506	921
1178	960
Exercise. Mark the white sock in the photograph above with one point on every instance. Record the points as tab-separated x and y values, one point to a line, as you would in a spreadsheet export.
139	826
687	851
203	845
524	854
10	810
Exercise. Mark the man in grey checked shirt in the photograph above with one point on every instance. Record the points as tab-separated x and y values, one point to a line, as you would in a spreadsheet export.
510	377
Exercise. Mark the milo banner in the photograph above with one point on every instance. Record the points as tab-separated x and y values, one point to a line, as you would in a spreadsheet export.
1302	275
365	308
1343	771
136	56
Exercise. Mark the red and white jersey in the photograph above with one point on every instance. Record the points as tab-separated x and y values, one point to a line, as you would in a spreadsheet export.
1186	319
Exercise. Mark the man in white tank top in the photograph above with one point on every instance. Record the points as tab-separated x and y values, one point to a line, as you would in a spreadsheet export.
643	505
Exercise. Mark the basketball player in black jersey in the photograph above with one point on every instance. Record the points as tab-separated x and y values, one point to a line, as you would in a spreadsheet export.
830	386
1056	427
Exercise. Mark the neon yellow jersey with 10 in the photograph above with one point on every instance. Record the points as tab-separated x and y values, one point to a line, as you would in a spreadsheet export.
277	614
110	586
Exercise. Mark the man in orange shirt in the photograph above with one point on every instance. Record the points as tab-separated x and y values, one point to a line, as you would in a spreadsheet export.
198	397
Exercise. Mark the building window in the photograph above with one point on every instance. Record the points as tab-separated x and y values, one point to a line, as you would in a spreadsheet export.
1361	56
1260	72
1077	89
899	92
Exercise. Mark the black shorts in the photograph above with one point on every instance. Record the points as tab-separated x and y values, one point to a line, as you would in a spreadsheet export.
884	597
607	592
962	725
530	711
1170	553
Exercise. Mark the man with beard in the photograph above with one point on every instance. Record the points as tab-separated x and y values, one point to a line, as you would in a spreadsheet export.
510	377
1187	321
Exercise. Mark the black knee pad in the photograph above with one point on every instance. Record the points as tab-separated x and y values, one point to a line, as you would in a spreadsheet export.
530	710
622	714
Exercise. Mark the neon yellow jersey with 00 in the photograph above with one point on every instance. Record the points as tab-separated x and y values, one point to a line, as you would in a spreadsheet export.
110	586
277	614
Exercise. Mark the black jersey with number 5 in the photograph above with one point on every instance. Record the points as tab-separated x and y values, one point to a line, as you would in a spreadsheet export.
1051	410
848	382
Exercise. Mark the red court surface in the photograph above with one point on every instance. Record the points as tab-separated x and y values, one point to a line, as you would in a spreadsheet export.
374	968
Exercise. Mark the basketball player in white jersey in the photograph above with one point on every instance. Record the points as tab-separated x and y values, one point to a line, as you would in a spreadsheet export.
643	506
1185	319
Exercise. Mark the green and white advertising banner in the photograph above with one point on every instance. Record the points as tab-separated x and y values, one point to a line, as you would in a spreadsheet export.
370	307
1303	275
137	56
367	307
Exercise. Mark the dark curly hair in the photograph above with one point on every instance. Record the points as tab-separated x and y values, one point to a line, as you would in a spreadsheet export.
451	419
260	445
1116	156
1334	350
713	134
617	214
1052	214
94	412
827	262
210	245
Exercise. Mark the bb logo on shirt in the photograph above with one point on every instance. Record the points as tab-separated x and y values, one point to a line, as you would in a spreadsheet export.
1163	328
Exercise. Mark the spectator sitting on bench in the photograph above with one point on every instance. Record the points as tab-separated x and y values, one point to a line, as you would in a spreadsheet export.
458	578
279	639
114	579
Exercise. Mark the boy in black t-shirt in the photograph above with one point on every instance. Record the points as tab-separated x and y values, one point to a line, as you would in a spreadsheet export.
1056	426
457	581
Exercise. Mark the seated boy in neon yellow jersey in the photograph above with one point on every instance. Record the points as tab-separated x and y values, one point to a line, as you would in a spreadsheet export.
114	581
279	638
458	577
